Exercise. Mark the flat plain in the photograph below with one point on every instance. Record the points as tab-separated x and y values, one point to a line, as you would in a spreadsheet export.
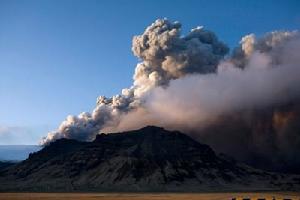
149	196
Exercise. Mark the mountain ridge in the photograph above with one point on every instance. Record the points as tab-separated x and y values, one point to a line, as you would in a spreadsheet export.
148	159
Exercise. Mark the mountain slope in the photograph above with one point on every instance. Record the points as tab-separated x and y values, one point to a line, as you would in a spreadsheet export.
149	159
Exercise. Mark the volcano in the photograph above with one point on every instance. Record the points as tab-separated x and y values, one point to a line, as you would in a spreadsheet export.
146	160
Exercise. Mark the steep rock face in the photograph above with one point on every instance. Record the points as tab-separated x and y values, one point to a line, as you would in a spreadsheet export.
149	159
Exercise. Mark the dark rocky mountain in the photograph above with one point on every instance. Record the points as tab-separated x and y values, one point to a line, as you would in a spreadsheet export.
149	159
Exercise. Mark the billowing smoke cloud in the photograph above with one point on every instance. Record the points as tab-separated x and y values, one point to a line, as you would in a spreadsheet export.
246	104
165	55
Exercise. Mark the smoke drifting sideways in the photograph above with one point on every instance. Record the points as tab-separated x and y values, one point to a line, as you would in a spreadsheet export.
245	104
165	56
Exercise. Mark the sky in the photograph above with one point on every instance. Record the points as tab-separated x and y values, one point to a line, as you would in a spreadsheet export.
58	56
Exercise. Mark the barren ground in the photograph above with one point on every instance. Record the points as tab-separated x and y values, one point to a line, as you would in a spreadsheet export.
146	196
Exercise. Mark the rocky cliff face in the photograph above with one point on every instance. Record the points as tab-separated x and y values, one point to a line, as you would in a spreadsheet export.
149	159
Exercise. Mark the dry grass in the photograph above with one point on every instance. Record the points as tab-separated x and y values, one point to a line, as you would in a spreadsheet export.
145	196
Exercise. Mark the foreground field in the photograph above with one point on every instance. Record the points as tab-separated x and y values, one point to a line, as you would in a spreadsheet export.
146	196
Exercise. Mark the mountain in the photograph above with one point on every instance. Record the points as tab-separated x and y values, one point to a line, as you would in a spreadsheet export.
149	159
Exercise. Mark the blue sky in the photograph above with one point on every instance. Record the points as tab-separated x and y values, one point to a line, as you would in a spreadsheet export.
56	57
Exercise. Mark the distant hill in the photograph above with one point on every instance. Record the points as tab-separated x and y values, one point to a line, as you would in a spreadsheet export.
5	164
16	152
149	159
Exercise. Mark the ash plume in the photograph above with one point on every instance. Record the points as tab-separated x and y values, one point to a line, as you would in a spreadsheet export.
165	55
245	104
